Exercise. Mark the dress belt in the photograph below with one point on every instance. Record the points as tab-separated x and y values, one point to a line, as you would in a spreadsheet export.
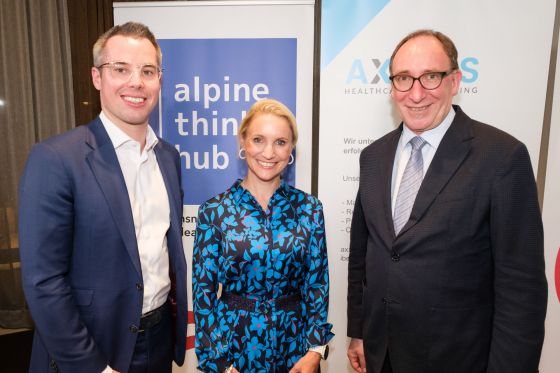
290	302
152	318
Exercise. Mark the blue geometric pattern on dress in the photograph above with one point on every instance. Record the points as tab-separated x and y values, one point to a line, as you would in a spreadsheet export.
341	21
259	255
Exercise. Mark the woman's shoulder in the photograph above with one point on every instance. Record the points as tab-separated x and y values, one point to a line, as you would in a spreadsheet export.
226	197
299	196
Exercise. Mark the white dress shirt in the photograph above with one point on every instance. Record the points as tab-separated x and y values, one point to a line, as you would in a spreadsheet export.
150	210
404	149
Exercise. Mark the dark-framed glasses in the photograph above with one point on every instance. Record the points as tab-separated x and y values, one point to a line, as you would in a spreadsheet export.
123	71
430	80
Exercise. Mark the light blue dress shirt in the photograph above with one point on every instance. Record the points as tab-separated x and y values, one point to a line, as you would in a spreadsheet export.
433	138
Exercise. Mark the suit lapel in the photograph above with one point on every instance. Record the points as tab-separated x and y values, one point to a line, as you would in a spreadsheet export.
166	162
107	171
388	150
451	152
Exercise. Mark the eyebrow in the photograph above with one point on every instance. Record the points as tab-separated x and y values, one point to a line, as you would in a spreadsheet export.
128	63
276	138
407	72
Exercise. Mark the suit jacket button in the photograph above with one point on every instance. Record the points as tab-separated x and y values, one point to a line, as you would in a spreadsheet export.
54	366
139	286
395	257
133	328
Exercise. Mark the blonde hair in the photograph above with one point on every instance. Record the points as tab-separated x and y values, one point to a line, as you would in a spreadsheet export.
268	106
131	29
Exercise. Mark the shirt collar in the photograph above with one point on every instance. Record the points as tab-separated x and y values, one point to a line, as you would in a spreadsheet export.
119	137
151	138
238	191
432	136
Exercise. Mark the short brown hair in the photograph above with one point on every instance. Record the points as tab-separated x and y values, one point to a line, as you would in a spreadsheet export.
446	42
131	29
268	106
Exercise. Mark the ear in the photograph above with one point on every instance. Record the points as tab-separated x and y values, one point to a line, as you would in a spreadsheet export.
96	78
456	81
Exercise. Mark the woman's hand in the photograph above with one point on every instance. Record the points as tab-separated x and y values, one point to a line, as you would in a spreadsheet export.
309	363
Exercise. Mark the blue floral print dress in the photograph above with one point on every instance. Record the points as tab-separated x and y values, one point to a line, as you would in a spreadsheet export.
261	257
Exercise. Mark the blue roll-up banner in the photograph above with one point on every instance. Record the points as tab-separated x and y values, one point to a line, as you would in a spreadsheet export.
219	57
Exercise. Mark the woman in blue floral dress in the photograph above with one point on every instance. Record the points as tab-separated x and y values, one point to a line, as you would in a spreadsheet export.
263	242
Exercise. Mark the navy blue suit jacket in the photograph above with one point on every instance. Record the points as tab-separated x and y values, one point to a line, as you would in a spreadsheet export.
462	287
80	263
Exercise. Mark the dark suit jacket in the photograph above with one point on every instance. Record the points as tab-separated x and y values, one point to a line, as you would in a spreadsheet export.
80	263
462	287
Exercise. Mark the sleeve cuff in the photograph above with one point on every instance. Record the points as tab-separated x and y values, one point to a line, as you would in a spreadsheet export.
319	334
320	350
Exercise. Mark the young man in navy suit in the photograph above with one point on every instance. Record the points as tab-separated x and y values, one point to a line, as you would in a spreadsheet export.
446	267
103	266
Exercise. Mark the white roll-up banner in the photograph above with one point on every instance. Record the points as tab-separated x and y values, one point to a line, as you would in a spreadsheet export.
504	52
550	362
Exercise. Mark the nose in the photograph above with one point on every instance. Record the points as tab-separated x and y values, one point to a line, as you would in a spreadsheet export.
417	92
135	78
268	151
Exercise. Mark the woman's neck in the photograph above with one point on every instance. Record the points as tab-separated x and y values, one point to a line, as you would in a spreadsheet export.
261	190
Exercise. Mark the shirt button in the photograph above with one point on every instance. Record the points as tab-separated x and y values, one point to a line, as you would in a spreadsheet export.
133	328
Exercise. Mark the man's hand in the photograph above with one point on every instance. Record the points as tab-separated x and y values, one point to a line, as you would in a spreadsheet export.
356	355
309	363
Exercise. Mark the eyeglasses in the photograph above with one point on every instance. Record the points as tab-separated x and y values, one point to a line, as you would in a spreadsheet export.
123	71
429	81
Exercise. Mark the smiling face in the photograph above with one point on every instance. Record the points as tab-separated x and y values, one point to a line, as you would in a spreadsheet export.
419	108
127	102
268	143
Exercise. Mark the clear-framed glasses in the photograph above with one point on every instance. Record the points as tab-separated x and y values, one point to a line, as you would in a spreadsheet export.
430	80
123	71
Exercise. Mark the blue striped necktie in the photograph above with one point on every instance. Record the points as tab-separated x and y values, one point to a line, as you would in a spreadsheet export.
410	184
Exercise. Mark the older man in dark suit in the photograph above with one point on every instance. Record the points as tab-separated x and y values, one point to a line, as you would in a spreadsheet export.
446	268
100	227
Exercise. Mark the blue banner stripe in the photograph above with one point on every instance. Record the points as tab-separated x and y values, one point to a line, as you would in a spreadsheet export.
341	22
